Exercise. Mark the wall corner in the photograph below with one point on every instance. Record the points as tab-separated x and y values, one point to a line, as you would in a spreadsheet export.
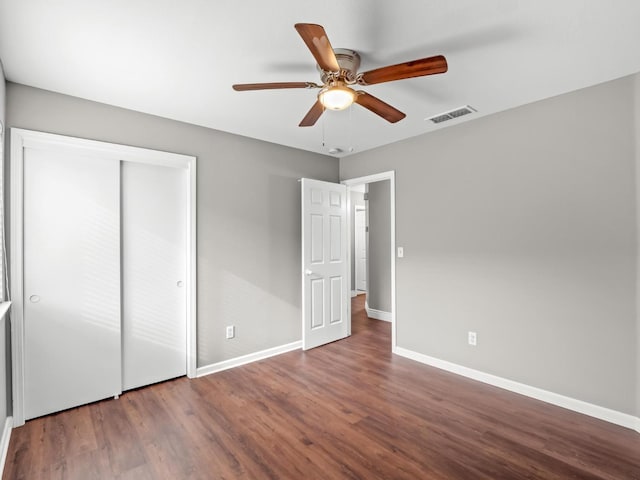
636	131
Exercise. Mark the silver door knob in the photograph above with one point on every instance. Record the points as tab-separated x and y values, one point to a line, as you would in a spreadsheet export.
180	283
308	272
34	298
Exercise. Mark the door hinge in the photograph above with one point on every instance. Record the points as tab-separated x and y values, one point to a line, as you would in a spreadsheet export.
366	196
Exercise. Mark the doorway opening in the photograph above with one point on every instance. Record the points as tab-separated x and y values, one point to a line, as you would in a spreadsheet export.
371	225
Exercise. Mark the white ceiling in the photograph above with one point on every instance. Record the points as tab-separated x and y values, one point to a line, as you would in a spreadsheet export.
178	59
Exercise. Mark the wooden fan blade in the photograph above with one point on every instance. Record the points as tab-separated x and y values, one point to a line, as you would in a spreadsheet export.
312	115
241	87
416	68
377	106
317	41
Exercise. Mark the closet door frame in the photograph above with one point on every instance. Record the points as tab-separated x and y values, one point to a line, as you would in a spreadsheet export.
22	139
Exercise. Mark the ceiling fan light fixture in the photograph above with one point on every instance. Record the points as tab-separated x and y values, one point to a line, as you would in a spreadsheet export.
337	96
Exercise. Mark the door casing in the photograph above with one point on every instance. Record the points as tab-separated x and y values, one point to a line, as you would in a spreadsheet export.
358	246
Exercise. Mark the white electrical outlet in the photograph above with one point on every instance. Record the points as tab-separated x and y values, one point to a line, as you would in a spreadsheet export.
472	338
231	332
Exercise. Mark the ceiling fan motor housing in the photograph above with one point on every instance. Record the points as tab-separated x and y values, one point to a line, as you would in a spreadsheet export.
349	61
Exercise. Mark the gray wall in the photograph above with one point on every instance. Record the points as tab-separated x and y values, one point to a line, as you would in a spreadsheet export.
521	226
637	134
4	325
248	214
379	246
357	199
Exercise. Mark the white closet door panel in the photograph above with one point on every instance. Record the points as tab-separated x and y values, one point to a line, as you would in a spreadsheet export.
154	222
71	280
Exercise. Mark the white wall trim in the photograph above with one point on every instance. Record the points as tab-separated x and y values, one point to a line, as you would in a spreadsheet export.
4	442
357	280
354	293
15	285
377	314
391	176
192	274
21	139
8	423
249	358
606	414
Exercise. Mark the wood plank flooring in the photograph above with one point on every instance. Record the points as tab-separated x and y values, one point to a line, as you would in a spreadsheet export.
348	410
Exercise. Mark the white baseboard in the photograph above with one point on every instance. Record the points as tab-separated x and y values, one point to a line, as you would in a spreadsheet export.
377	314
4	442
606	414
354	293
244	359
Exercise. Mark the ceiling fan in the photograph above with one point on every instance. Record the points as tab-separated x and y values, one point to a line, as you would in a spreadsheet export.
339	71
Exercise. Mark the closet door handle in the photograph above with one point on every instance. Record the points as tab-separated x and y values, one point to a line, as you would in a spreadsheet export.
180	283
34	298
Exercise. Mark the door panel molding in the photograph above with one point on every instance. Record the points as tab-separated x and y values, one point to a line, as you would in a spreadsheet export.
22	139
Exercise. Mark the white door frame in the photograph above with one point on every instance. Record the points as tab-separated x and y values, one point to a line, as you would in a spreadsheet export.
391	176
359	208
21	139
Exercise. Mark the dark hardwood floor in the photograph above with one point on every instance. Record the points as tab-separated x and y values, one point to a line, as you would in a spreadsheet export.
348	410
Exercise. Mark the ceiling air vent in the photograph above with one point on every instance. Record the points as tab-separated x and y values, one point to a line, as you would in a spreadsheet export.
458	112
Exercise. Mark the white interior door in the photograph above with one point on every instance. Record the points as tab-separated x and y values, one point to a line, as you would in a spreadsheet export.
360	225
325	293
71	280
154	235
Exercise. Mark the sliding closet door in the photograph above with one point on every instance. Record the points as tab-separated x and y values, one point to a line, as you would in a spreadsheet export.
71	280
154	226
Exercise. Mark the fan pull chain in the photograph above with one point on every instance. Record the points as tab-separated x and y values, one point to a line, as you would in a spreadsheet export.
322	120
351	128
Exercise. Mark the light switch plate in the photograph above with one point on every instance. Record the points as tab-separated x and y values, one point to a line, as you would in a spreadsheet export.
400	252
231	332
